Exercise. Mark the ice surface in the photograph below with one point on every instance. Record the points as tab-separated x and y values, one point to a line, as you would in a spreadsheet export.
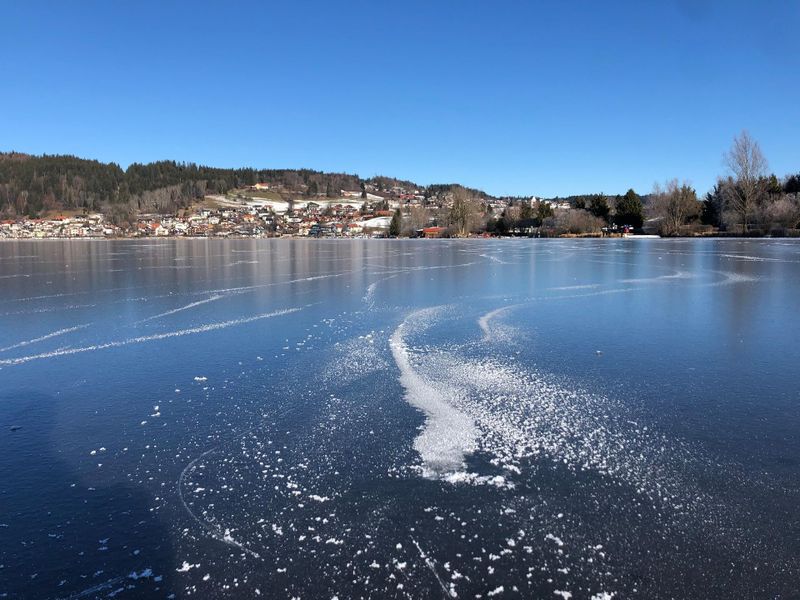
448	434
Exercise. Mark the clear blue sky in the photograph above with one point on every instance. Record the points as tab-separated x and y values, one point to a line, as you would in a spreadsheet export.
513	97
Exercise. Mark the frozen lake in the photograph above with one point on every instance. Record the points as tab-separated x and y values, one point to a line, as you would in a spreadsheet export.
407	419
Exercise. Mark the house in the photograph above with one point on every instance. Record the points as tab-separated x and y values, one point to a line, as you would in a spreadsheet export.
558	204
433	232
322	230
376	223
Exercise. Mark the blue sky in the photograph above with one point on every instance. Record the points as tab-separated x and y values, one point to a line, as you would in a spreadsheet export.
513	97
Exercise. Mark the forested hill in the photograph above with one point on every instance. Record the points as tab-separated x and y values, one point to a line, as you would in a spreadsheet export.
30	185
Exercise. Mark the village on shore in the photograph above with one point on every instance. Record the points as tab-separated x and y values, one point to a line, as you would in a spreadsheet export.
253	212
68	197
262	210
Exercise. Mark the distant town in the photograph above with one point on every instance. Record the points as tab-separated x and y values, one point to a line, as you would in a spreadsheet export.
69	197
251	212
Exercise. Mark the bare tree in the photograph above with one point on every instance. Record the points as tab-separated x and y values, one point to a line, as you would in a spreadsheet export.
511	215
464	212
576	221
784	213
675	204
417	219
748	166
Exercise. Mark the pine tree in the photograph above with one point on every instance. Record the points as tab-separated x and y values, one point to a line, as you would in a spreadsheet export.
630	210
395	224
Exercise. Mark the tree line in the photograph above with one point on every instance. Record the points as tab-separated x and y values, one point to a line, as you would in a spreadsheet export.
30	185
746	200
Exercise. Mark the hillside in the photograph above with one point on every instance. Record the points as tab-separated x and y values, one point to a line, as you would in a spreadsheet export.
33	185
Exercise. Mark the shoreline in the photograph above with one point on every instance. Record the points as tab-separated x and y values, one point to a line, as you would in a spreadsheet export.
387	239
